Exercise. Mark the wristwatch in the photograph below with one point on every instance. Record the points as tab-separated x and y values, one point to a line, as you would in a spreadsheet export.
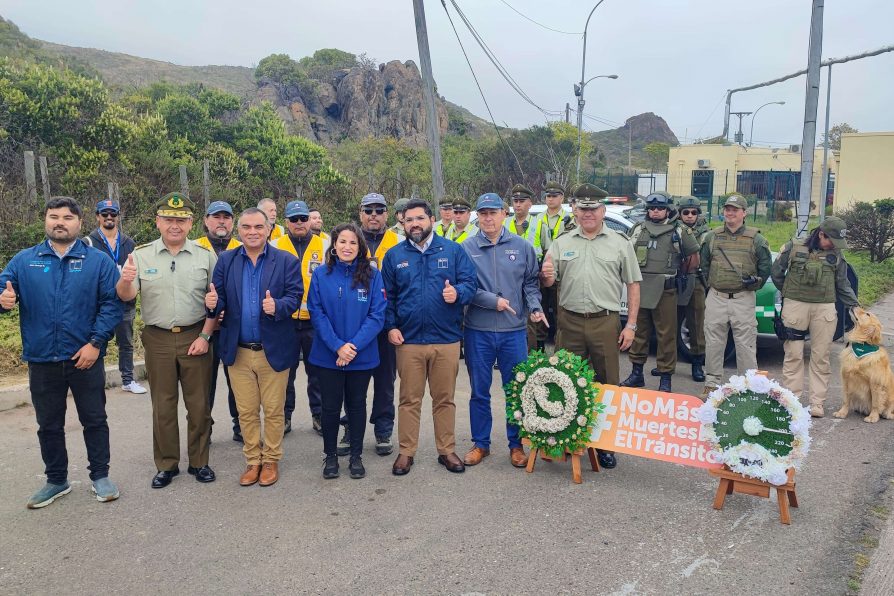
206	337
631	326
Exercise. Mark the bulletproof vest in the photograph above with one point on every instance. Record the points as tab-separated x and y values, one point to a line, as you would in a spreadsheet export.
657	248
739	249
811	275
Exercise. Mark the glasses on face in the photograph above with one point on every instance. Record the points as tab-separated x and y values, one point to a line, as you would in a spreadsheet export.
297	218
689	212
108	214
377	210
655	208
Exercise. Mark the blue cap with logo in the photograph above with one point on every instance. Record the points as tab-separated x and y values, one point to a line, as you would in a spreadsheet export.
489	200
219	207
373	198
108	205
294	208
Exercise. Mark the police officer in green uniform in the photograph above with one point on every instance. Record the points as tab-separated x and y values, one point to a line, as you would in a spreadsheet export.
445	206
550	225
661	245
812	274
522	223
691	299
400	206
594	263
736	260
461	229
172	275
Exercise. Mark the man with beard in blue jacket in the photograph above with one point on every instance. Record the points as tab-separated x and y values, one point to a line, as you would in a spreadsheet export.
428	281
496	320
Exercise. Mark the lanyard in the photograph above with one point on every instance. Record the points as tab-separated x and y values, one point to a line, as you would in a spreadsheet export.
117	250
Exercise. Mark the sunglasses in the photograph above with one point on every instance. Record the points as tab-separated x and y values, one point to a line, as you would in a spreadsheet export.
655	208
297	218
108	214
689	212
377	210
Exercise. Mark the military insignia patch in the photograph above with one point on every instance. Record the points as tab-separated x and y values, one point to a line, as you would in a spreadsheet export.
175	202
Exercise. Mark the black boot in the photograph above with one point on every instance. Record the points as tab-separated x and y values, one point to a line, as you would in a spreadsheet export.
664	384
656	372
698	373
636	377
330	467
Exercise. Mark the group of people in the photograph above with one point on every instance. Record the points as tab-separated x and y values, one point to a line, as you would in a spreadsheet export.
366	303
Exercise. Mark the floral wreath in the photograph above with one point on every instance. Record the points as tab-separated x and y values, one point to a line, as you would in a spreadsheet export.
756	427
552	399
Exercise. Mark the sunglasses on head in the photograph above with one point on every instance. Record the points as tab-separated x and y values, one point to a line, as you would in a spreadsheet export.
377	210
297	218
689	212
656	207
108	214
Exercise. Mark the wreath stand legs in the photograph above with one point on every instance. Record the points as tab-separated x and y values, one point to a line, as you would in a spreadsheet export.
731	482
575	461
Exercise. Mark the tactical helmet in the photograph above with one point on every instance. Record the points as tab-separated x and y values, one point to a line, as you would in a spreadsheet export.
690	202
659	198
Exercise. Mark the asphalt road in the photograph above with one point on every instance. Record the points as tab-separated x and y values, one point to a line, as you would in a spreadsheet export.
645	527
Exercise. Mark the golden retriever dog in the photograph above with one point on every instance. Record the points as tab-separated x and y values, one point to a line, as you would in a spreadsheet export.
867	381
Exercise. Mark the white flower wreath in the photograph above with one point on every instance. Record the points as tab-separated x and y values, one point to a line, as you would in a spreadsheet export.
536	394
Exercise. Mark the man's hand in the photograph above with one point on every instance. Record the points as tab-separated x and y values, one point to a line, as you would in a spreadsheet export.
85	357
396	337
625	339
347	352
129	270
211	298
268	305
449	292
548	269
198	347
539	317
8	297
503	304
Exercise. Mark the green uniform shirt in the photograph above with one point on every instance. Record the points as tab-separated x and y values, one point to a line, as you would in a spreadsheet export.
843	290
172	287
458	237
762	254
549	227
593	272
398	229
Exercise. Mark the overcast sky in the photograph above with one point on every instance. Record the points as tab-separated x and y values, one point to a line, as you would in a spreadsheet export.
674	57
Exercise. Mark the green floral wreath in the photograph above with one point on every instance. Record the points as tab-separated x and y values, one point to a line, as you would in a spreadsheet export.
552	399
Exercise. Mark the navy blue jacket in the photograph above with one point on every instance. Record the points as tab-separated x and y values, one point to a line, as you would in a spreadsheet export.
342	314
414	285
282	276
125	247
63	304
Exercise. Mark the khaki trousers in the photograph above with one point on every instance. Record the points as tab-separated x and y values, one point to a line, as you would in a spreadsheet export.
594	338
695	320
168	364
437	364
723	313
663	318
820	320
256	385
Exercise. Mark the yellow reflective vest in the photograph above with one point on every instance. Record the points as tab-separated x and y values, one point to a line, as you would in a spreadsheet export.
314	256
531	234
205	243
389	240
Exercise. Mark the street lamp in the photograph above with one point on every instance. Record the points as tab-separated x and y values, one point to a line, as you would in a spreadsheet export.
753	116
579	89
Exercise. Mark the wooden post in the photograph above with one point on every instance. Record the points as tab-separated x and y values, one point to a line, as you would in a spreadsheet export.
30	179
44	177
111	192
206	184
184	182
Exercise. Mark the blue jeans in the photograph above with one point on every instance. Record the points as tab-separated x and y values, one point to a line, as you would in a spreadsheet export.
483	348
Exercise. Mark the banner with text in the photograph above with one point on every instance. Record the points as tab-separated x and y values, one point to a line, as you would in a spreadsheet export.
651	424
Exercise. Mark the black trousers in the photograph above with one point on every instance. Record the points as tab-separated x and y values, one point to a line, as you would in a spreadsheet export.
381	415
49	383
304	335
348	388
215	365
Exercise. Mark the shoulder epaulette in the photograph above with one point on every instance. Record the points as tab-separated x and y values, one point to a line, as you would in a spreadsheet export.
143	246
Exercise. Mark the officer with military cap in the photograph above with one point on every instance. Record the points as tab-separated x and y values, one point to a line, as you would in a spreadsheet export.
445	206
400	206
594	263
461	229
736	261
662	246
812	275
522	223
172	275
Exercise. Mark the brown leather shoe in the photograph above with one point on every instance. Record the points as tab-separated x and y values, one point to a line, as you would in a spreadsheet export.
452	462
402	465
251	475
269	473
475	455
518	457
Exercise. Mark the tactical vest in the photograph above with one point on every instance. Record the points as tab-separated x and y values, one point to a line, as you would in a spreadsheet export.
314	256
657	247
529	234
811	275
739	248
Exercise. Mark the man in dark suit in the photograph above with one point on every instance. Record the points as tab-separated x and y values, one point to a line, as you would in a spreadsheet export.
257	287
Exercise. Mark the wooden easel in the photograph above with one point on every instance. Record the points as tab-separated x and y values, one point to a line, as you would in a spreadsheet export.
731	482
575	460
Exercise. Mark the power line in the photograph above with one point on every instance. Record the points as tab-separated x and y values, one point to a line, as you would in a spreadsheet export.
699	132
524	16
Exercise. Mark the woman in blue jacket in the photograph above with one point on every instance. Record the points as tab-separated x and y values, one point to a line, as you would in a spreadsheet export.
347	307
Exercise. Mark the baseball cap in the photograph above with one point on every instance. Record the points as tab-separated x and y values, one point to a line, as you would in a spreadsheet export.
373	198
219	207
836	229
736	201
489	200
108	205
294	208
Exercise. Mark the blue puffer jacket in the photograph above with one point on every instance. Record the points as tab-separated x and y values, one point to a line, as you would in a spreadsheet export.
342	314
414	284
63	303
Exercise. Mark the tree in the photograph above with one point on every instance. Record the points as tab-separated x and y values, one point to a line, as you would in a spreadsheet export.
835	135
280	68
658	154
870	227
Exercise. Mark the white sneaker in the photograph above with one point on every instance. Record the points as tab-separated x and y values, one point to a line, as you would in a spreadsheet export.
134	387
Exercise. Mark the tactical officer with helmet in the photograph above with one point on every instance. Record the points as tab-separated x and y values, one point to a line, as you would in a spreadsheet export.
736	260
812	275
662	248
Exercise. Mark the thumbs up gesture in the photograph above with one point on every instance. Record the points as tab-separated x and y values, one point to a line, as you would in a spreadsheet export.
268	305
8	297
449	292
548	271
129	271
211	298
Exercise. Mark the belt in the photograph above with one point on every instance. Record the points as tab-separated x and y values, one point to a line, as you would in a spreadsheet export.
179	329
729	295
252	347
588	315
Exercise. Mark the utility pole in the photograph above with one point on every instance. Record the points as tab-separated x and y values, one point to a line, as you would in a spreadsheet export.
808	140
824	183
567	113
428	91
739	135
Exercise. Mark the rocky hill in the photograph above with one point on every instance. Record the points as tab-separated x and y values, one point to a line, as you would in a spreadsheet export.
637	132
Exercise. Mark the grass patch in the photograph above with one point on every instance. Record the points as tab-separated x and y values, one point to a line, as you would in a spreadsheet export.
880	511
